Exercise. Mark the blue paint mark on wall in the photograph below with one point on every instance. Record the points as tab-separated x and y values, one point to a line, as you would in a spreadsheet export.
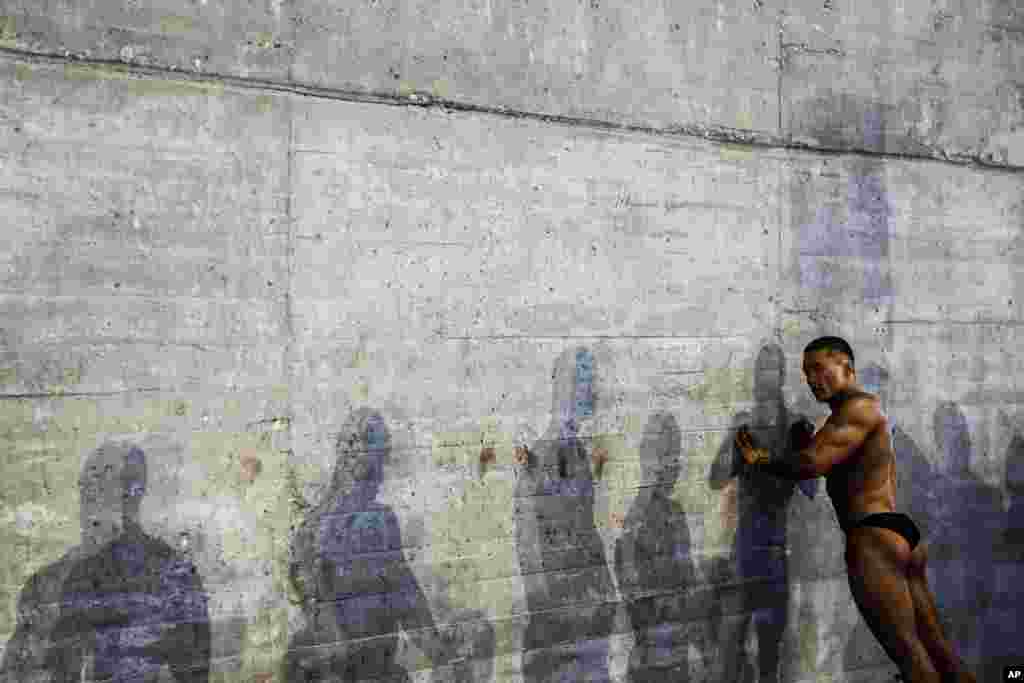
850	257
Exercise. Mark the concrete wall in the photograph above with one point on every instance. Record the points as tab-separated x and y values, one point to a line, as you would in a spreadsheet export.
296	296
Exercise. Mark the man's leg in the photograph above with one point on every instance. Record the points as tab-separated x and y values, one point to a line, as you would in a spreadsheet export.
929	627
878	562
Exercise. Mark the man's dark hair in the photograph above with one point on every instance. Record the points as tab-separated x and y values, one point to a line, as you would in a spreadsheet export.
831	344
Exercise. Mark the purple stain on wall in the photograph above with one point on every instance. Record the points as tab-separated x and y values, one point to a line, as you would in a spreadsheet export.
868	234
835	249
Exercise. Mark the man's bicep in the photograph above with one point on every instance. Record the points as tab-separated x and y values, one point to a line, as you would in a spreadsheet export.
837	441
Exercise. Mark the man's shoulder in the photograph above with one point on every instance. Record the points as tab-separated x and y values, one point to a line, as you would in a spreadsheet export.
861	407
860	395
860	400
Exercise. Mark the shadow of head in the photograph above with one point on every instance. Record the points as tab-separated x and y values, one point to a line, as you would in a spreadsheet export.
660	449
111	486
769	373
362	449
952	437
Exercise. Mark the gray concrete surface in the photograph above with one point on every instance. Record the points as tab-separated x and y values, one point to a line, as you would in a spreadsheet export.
427	213
944	77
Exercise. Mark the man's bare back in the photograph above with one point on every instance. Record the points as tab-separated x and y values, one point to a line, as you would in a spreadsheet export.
885	561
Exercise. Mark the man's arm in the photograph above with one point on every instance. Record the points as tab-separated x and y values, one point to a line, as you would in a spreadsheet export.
841	437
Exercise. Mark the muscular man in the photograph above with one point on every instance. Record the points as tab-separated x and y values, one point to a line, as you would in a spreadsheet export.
885	561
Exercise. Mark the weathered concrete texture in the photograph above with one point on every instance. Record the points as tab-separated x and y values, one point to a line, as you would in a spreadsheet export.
644	64
945	77
934	79
237	37
649	63
144	299
351	340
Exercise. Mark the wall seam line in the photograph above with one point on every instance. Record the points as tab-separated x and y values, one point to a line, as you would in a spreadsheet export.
706	133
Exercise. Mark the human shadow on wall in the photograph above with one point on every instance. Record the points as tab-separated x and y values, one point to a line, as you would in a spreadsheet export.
756	597
969	520
468	638
1002	635
917	490
570	596
358	592
123	605
653	562
814	558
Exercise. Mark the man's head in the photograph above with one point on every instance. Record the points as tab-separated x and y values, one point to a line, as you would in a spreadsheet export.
829	367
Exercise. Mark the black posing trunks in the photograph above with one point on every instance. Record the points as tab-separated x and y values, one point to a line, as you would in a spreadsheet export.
894	521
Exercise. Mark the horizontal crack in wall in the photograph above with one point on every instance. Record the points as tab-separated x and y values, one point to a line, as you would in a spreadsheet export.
712	133
76	394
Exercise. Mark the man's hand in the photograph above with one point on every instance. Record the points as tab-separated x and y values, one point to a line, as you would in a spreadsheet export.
752	455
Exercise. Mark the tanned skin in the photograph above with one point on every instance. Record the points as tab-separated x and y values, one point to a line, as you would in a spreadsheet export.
853	451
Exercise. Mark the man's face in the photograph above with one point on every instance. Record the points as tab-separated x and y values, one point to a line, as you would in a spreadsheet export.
827	373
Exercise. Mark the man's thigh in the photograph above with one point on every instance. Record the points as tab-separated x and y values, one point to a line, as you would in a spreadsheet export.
877	561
